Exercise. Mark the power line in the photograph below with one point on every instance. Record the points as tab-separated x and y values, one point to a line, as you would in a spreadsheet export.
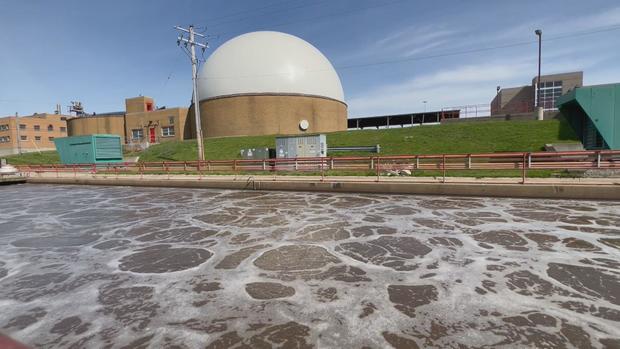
445	54
276	11
281	24
523	43
215	21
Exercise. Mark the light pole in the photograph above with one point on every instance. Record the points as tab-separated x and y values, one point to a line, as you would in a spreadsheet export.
539	109
19	137
424	105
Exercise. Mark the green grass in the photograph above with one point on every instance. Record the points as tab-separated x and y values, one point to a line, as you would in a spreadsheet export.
44	157
471	137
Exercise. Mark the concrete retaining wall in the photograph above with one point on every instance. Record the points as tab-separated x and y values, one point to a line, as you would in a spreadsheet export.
548	115
551	191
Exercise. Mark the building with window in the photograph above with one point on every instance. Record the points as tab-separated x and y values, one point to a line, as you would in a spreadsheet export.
141	123
31	133
523	99
146	125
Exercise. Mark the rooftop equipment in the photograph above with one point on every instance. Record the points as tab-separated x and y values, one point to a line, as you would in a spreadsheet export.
91	149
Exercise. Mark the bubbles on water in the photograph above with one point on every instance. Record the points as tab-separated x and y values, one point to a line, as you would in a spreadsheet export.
140	267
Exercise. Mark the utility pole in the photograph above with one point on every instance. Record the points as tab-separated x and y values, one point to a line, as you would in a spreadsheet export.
19	138
539	110
192	51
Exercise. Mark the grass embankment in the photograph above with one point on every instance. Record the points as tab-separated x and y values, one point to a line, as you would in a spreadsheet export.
471	137
44	157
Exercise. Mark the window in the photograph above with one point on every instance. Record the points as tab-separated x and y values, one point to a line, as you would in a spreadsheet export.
4	127
37	128
50	128
5	139
171	120
23	138
167	131
549	93
37	138
22	126
149	106
63	129
51	139
137	133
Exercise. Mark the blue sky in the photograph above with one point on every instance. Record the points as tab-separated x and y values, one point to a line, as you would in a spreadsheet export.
391	55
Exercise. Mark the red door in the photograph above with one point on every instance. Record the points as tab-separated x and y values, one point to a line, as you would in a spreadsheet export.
152	135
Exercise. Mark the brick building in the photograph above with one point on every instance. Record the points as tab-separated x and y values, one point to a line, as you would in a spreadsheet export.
522	99
31	133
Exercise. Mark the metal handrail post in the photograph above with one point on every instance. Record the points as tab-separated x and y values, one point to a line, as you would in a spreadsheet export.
523	165
443	167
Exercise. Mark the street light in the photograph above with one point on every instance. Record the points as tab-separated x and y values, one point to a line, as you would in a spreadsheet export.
538	33
424	105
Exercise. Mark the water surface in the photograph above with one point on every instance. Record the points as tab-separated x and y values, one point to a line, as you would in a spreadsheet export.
181	268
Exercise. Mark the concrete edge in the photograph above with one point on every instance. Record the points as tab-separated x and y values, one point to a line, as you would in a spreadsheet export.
539	191
12	180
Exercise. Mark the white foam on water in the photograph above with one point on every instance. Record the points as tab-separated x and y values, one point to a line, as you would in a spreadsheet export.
279	219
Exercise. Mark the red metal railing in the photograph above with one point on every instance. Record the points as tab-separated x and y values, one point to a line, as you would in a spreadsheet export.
522	161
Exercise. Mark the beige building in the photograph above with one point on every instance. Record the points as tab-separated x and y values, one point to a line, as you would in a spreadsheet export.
144	124
141	124
31	133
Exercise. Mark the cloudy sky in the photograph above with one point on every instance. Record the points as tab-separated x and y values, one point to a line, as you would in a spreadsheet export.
391	55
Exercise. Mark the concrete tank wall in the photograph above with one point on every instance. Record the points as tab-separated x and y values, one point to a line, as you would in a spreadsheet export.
253	115
104	124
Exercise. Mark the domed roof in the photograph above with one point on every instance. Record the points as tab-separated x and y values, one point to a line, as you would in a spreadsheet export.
268	62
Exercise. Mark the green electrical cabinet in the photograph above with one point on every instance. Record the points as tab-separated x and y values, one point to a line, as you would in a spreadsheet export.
92	149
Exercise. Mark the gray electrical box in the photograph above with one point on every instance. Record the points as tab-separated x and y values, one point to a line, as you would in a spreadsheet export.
255	153
311	146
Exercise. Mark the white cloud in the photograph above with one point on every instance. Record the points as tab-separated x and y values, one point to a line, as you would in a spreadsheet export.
461	85
465	84
412	37
401	43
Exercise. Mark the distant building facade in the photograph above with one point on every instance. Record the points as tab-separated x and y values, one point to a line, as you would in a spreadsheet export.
522	99
31	133
141	123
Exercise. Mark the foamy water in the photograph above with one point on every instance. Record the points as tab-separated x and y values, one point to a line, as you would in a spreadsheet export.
151	267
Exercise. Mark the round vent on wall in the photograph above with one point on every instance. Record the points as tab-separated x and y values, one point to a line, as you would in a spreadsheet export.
303	125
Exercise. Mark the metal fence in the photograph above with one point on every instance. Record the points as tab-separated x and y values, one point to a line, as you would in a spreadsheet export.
379	166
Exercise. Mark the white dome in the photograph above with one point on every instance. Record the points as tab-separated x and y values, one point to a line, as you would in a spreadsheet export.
268	62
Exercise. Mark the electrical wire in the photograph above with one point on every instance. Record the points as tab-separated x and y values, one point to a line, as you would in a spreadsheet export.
286	9
441	55
312	19
215	20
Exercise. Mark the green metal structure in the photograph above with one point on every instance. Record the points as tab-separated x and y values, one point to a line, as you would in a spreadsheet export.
594	114
92	149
